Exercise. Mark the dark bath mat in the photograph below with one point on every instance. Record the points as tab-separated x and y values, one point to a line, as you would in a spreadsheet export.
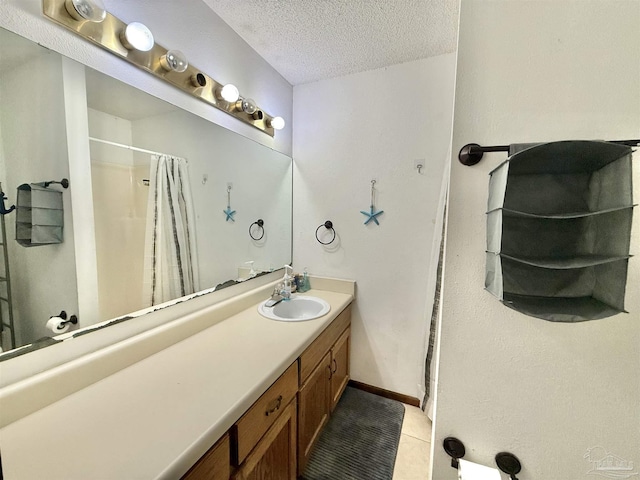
360	441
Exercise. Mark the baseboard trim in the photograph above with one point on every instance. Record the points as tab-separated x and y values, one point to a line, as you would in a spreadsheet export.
399	397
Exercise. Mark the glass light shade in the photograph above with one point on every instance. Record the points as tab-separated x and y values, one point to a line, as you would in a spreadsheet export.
137	36
248	105
277	123
174	60
230	93
91	10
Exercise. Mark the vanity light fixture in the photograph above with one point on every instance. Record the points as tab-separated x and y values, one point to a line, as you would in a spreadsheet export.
136	36
247	105
90	10
174	60
198	80
229	93
276	123
135	44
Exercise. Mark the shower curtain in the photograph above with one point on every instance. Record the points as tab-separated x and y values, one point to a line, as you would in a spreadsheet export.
170	260
432	307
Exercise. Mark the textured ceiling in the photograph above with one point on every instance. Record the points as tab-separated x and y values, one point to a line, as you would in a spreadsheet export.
309	40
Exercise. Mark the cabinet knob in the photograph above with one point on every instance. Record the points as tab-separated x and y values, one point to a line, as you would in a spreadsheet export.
335	366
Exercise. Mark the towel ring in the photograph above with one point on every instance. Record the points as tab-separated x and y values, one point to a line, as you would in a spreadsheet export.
260	224
329	226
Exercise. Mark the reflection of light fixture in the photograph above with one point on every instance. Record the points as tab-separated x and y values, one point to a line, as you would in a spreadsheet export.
229	93
92	10
247	105
276	122
174	60
137	36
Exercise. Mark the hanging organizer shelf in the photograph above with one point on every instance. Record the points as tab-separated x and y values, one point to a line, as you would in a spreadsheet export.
559	228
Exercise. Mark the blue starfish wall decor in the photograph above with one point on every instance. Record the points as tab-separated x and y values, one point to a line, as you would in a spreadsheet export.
228	212
372	214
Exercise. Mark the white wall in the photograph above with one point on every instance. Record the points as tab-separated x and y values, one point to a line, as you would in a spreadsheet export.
535	71
256	174
350	130
35	150
192	27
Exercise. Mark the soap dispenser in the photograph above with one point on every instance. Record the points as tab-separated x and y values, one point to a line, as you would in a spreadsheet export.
252	273
286	282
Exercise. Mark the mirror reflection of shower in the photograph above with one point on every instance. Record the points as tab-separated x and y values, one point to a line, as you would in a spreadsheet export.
120	206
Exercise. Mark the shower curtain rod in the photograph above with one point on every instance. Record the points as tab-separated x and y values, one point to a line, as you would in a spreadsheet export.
472	153
128	147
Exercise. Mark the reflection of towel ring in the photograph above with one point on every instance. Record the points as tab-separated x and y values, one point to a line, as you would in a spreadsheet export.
260	224
329	226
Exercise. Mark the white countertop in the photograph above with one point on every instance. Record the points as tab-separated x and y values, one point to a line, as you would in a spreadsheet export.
157	417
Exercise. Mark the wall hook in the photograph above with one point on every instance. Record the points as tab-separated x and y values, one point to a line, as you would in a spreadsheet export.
329	226
4	210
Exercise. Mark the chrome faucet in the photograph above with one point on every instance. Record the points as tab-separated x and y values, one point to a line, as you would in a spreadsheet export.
276	297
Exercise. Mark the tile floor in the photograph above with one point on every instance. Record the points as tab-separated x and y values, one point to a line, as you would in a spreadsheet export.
412	461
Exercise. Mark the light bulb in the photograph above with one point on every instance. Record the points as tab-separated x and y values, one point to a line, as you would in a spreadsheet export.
91	10
229	93
174	60
277	123
247	105
137	36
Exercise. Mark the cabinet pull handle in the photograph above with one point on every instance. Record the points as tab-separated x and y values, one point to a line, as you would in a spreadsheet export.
335	366
278	403
330	372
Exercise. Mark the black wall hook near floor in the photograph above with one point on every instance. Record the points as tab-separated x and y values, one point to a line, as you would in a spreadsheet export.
455	449
508	463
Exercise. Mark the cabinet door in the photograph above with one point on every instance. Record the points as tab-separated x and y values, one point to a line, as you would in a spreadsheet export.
214	465
313	409
274	457
340	367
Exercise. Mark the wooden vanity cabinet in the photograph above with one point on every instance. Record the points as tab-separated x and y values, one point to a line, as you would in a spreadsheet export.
214	465
340	366
274	438
324	374
274	457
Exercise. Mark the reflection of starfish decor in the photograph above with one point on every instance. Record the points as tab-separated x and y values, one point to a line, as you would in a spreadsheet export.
372	215
229	213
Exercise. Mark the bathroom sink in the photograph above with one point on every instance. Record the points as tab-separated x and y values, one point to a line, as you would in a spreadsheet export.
298	308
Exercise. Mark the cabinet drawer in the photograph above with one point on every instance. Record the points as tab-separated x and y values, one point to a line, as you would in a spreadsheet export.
319	348
257	420
214	465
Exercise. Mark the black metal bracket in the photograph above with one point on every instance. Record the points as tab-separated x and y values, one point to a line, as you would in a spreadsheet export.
329	226
72	319
64	182
472	153
260	224
455	449
508	463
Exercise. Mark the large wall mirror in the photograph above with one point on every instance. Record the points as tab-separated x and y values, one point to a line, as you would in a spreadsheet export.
156	173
